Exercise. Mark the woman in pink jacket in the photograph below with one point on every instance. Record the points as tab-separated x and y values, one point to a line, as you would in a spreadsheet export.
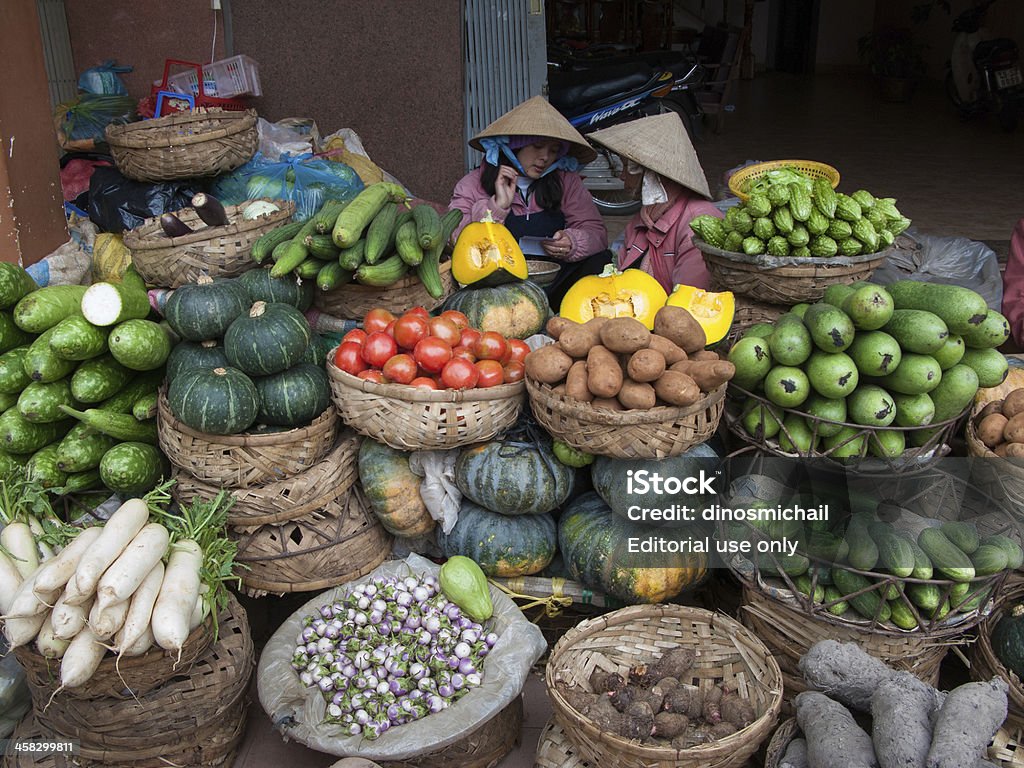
528	182
659	240
1013	286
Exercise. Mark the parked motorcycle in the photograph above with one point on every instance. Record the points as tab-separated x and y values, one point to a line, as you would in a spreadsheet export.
984	73
627	89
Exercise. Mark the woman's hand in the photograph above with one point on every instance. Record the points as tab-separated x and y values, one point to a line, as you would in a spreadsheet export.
505	186
559	246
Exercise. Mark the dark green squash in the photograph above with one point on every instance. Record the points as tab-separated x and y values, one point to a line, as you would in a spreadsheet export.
393	490
191	356
218	401
204	309
515	310
293	397
268	339
501	545
316	352
282	290
1008	639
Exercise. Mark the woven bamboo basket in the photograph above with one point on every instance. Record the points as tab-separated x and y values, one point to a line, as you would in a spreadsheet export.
411	419
339	543
655	433
997	475
244	461
726	653
196	718
352	301
484	748
311	491
555	750
985	664
750	312
785	733
765	279
185	145
750	174
171	262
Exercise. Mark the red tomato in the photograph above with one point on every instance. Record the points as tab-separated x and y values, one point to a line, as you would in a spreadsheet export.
460	320
423	382
491	373
409	329
379	348
491	346
371	374
400	369
432	354
377	320
459	374
418	312
390	330
464	352
517	351
445	330
469	337
349	359
358	335
514	371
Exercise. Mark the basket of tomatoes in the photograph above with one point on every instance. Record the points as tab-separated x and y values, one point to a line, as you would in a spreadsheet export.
417	382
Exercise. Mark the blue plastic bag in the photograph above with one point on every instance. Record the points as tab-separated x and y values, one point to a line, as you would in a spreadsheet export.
103	80
305	180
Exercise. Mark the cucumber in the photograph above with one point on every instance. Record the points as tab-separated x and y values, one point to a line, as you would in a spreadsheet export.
331	275
968	597
15	284
82	448
13	376
80	481
827	546
901	615
42	364
803	585
380	236
40	403
894	551
360	212
927	597
837	606
75	338
407	245
384	274
44	308
263	247
106	304
122	426
868	604
141	345
42	468
863	551
428	225
125	400
145	407
946	558
98	379
1014	553
964	535
19	435
988	559
351	258
132	468
11	336
922	563
327	215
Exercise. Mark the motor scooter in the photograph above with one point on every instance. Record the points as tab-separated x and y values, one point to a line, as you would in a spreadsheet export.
984	73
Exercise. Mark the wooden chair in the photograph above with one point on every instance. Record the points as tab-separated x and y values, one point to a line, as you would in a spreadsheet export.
719	52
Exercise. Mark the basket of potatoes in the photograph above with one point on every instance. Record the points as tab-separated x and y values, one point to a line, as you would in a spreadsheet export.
612	387
995	433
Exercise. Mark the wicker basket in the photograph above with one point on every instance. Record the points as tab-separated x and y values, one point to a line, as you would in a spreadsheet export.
655	433
750	312
340	543
787	280
412	419
185	145
751	173
484	748
555	750
726	653
985	664
785	733
1000	477
307	492
244	461
352	301
170	262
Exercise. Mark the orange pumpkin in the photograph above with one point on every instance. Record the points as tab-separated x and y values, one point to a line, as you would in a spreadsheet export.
487	254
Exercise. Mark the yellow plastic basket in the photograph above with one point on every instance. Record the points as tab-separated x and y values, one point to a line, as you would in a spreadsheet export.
740	180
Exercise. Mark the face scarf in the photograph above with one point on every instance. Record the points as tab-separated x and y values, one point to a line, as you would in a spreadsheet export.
496	146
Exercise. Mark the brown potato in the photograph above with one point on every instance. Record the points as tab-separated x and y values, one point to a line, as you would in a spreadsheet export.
705	354
1013	403
1013	432
548	365
608	403
559	390
604	374
576	382
645	365
625	334
556	326
671	352
636	394
677	388
577	341
1014	450
996	406
990	430
709	374
595	323
680	327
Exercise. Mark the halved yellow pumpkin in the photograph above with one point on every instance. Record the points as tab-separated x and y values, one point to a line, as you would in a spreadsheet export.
714	311
487	254
632	293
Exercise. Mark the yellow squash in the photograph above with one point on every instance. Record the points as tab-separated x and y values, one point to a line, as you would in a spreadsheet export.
487	254
632	293
714	311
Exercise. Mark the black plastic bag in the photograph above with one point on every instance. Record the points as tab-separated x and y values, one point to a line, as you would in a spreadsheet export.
117	203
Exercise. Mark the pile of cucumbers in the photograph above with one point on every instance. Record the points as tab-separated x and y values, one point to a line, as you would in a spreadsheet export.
374	239
896	358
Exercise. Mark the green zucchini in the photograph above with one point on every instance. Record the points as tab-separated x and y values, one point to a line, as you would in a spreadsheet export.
380	236
429	270
42	364
122	426
328	214
145	407
82	448
11	336
99	378
384	274
141	345
107	304
15	284
352	258
360	212
75	338
132	468
13	376
428	225
44	308
40	403
407	245
263	247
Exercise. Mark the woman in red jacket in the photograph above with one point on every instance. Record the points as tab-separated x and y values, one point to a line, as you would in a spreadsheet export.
1013	286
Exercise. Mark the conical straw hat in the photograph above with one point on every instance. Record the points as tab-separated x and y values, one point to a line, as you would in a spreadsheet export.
535	117
661	144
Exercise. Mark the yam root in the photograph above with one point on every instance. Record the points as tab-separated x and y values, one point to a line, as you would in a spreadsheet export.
901	721
557	325
705	354
990	430
625	335
634	394
677	389
737	710
576	382
709	374
548	365
668	725
685	700
672	353
604	375
833	736
796	755
577	341
681	328
646	365
967	721
844	671
1013	403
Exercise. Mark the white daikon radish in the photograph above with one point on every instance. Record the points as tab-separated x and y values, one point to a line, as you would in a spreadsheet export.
132	566
56	572
68	620
104	621
141	645
45	551
81	660
48	644
20	544
20	631
27	603
10	580
121	528
178	594
140	612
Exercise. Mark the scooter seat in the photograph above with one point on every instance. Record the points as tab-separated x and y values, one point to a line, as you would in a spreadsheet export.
988	48
570	91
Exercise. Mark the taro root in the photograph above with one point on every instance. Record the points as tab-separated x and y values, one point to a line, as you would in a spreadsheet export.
675	663
641	720
641	676
598	678
711	710
737	710
685	700
622	698
668	725
721	730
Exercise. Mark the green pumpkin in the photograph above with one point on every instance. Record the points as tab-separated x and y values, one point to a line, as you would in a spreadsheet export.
269	339
293	397
205	309
316	352
218	401
393	490
281	290
1008	639
515	310
191	355
501	545
513	477
595	544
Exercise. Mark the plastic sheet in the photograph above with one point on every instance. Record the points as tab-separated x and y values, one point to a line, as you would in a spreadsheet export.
298	712
438	490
